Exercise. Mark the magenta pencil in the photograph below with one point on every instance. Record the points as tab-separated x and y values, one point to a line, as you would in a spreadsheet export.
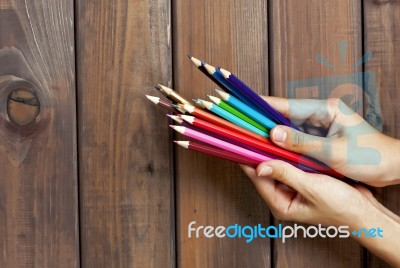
220	143
218	153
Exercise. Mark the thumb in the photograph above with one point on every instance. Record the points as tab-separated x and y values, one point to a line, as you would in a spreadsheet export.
299	142
285	173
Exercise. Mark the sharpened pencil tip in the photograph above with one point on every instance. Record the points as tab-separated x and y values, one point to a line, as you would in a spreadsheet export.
190	56
158	87
153	99
210	69
176	118
180	129
184	144
197	62
225	73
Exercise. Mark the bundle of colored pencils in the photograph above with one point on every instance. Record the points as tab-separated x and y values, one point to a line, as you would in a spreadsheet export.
234	126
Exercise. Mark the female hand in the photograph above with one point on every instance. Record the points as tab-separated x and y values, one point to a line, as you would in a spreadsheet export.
342	139
295	195
320	199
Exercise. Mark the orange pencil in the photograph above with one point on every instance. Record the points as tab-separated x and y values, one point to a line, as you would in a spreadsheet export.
221	122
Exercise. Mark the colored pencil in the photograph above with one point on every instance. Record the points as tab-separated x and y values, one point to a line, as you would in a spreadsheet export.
198	103
256	99
247	110
232	118
199	65
221	122
220	143
218	153
163	104
176	118
179	108
214	72
237	113
171	94
268	147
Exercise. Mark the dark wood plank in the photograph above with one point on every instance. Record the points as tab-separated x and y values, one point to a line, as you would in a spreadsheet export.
124	140
300	31
211	191
38	184
382	38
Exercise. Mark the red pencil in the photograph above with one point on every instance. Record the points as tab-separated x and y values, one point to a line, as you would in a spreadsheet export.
221	122
218	153
264	146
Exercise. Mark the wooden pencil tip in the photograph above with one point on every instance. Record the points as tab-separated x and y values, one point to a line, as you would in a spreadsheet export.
184	144
190	56
153	99
158	87
196	62
210	69
225	73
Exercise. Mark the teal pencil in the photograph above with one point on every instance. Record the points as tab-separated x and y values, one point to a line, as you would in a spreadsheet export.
232	118
247	110
224	105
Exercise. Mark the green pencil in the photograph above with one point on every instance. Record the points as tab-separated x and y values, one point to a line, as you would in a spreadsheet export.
237	113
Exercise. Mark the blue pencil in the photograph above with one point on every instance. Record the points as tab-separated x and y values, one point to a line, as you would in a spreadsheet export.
260	102
247	110
216	73
199	65
232	118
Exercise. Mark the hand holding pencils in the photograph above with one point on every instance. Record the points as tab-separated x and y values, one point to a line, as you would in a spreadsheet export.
235	126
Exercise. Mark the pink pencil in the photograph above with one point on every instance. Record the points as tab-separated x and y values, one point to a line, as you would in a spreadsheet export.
220	143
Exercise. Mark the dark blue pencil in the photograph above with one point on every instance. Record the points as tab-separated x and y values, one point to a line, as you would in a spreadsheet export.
259	101
199	65
216	73
216	76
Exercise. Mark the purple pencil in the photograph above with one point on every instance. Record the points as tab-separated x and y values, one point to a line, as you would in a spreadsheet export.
246	90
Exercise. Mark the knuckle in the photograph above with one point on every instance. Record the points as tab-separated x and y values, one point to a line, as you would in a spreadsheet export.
297	140
334	104
280	214
281	173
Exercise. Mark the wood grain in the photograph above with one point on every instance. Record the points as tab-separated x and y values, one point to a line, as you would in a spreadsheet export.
125	162
233	35
38	185
301	30
382	38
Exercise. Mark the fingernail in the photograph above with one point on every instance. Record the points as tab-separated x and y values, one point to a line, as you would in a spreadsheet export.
265	171
279	134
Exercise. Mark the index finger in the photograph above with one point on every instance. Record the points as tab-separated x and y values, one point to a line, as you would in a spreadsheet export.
317	112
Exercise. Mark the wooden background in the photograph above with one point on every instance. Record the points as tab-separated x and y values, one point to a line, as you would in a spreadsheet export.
94	180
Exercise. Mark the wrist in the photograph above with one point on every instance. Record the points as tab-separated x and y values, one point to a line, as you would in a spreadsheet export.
369	215
393	168
378	231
